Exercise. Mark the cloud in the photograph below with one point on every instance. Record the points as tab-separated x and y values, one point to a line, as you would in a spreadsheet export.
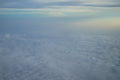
99	23
49	3
52	11
49	0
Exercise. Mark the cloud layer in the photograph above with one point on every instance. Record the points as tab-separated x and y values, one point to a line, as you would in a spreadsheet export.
77	13
49	3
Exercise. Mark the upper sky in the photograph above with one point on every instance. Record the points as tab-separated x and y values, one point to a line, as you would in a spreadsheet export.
53	3
90	13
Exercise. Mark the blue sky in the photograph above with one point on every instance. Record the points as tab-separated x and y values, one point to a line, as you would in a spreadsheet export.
74	13
52	3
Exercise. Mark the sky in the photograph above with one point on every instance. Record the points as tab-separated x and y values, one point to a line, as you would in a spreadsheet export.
53	3
74	13
53	39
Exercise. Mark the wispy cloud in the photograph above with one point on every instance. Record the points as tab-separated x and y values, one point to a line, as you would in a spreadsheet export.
52	11
80	10
49	0
49	3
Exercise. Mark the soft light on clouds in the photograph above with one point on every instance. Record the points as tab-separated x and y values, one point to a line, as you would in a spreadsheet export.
98	14
100	1
98	23
56	11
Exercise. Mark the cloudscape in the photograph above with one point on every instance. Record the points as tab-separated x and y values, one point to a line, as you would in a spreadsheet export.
59	39
75	11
